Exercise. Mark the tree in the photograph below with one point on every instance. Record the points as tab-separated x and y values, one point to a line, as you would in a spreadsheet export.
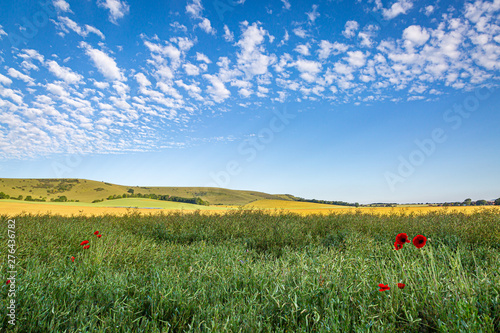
468	201
497	202
131	191
4	196
481	203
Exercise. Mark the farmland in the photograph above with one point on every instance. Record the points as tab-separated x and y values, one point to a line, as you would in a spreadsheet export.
250	271
149	206
253	262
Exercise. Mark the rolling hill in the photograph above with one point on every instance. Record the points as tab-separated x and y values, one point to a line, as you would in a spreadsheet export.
84	190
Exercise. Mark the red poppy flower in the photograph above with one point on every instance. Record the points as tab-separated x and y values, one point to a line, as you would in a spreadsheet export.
419	241
99	236
86	247
402	238
84	242
398	246
401	285
72	259
96	232
383	287
8	281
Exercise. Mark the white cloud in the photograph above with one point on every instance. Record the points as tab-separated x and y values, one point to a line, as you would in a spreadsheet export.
285	39
428	10
94	30
168	50
64	73
206	26
202	57
312	16
262	91
5	80
194	9
61	5
2	32
177	26
142	80
397	8
350	29
252	59
184	43
193	88
9	93
228	35
286	4
27	65
217	89
302	49
104	63
299	31
57	89
191	69
356	58
101	85
31	54
67	23
367	34
415	35
327	48
169	90
308	69
117	9
18	75
245	93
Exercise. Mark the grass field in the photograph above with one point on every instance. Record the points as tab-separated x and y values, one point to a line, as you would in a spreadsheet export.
249	271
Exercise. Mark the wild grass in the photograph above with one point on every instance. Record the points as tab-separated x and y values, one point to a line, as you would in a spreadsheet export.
249	271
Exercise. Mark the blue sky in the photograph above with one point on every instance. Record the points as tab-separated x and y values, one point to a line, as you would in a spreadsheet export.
361	101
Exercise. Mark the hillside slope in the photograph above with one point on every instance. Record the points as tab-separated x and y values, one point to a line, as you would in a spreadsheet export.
85	190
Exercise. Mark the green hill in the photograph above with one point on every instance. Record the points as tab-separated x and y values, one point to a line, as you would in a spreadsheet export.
85	190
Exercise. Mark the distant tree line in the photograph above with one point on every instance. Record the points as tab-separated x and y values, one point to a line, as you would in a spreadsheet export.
62	198
326	202
195	201
469	202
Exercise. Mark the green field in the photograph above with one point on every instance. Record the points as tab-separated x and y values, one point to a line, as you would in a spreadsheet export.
126	202
247	271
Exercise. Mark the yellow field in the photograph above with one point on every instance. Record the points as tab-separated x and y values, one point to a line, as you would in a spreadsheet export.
302	208
14	208
281	204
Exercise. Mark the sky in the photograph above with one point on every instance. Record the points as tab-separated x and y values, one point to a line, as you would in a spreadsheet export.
359	101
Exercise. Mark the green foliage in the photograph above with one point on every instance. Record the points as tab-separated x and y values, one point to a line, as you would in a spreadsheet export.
248	271
61	198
